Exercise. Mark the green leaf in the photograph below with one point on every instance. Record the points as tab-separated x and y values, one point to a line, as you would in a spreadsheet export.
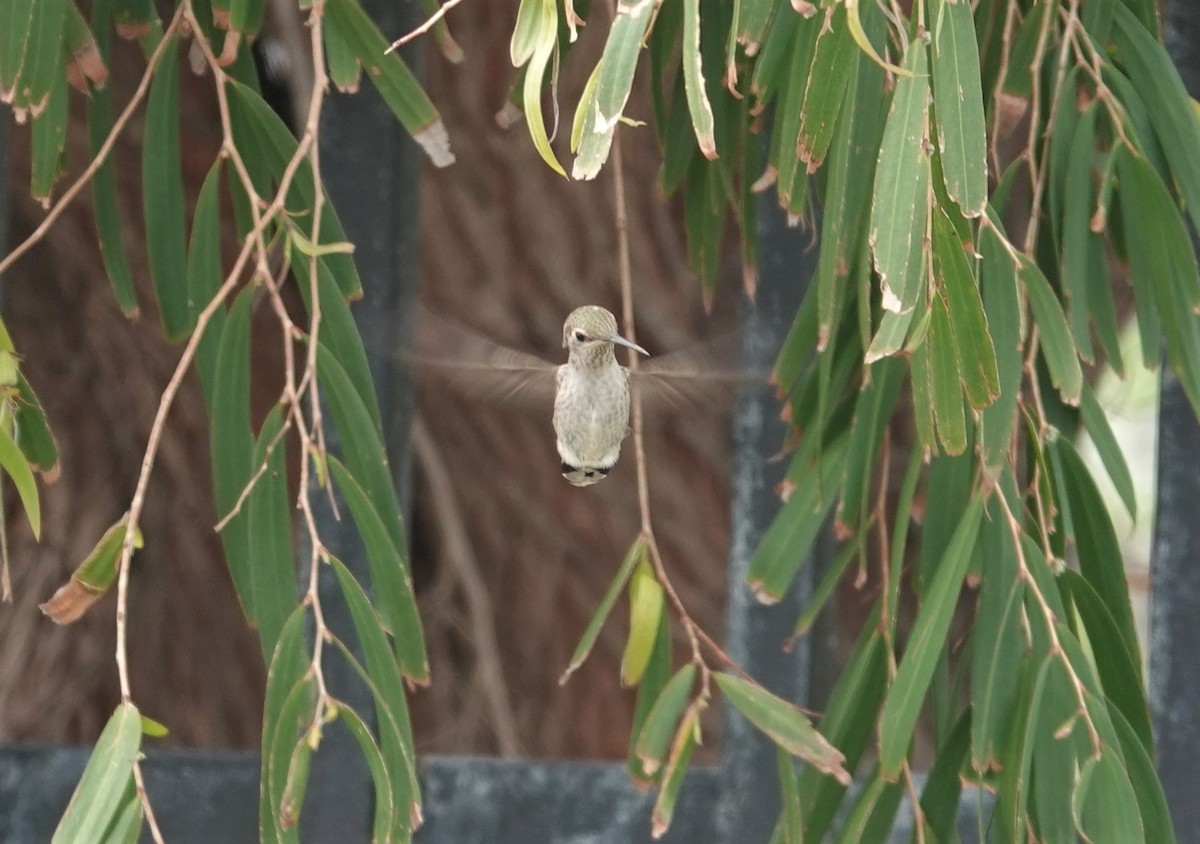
850	178
943	788
848	723
830	579
635	554
96	799
1155	78
958	104
541	33
1096	422
681	753
40	46
872	814
1120	676
1057	344
898	719
784	724
232	444
204	278
390	578
246	16
33	432
791	821
998	277
395	82
998	642
693	80
162	197
1164	273
661	720
977	356
526	32
48	141
900	202
1109	805
15	20
658	673
339	332
269	514
946	380
619	61
1013	790
385	808
98	570
287	669
1156	817
127	820
646	600
827	81
295	721
1078	241
872	412
1100	558
13	461
153	728
344	69
785	545
267	146
362	443
395	728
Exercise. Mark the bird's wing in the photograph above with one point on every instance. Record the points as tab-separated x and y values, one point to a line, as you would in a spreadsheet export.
479	368
695	377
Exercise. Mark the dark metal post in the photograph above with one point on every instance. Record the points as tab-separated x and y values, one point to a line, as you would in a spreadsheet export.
1175	568
372	171
749	801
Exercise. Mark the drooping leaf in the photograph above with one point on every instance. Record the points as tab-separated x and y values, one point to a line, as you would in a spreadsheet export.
392	78
1057	344
958	104
163	201
635	554
662	719
390	577
646	599
784	724
903	704
96	799
900	202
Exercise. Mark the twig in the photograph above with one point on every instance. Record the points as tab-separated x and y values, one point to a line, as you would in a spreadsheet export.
423	28
1048	617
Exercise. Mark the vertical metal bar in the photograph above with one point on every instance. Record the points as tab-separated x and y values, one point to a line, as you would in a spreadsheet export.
749	800
1175	567
372	172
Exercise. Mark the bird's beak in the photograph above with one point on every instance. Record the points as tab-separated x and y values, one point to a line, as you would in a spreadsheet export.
621	341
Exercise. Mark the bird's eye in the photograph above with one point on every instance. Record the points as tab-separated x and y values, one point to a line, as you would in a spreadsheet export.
580	336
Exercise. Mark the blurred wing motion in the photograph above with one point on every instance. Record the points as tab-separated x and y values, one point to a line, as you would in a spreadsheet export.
701	375
478	368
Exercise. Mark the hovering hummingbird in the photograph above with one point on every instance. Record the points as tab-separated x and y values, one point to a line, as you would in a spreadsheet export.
591	399
591	391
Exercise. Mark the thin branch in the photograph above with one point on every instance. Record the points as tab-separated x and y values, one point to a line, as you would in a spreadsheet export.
423	28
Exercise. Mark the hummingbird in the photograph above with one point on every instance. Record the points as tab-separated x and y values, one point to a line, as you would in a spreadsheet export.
591	398
590	392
